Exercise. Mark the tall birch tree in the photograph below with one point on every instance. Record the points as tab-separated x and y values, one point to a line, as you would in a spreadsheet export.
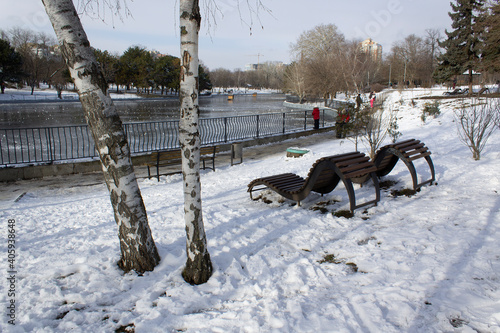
198	265
138	250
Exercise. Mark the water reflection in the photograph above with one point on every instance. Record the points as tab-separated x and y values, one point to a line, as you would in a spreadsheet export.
39	114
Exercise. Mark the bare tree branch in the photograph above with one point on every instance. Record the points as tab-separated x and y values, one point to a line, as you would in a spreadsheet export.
99	9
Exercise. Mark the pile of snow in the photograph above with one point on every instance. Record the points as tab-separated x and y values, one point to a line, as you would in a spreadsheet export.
426	263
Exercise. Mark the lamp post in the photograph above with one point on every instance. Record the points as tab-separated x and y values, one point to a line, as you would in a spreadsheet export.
390	72
404	79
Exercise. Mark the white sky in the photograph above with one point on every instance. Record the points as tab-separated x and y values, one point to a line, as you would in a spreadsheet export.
230	44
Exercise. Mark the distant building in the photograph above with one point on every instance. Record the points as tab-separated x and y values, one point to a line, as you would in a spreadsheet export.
44	51
156	54
254	67
372	48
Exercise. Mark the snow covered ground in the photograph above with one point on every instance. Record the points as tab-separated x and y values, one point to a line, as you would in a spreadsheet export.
426	263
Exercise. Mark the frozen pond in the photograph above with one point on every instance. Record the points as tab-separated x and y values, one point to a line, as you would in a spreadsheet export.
43	114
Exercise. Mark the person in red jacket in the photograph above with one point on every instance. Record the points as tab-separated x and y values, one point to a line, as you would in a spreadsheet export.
315	114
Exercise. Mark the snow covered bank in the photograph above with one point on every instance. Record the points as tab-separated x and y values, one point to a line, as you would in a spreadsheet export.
49	95
428	263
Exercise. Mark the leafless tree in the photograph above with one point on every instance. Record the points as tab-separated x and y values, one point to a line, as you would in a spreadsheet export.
294	80
433	36
356	66
410	58
138	250
198	265
36	50
377	124
317	50
476	122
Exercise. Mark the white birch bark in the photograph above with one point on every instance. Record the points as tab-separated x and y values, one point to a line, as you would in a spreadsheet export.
138	250
198	265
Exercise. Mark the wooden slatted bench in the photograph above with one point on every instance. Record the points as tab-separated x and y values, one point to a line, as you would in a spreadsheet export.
162	158
323	177
407	151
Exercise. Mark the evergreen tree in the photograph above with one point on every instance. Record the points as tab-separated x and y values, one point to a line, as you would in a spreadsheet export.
10	64
463	46
107	64
166	73
204	79
136	65
491	38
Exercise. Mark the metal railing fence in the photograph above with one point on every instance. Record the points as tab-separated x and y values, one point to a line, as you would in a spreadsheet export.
60	143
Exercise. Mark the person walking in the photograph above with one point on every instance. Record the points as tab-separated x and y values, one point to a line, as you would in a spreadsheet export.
372	99
315	114
359	101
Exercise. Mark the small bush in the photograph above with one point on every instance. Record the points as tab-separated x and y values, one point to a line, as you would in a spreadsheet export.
393	130
430	109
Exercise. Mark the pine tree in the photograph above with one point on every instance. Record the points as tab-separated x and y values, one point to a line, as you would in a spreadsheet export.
491	38
10	64
463	46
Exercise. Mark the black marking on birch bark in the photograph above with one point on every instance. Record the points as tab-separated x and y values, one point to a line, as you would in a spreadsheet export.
186	62
194	14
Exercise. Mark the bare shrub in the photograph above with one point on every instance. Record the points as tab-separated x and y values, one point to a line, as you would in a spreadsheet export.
476	122
378	122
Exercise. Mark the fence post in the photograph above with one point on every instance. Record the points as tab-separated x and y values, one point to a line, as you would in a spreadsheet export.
305	120
49	139
258	118
225	129
284	123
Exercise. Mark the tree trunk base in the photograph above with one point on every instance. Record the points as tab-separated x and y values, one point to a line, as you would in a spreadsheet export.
199	270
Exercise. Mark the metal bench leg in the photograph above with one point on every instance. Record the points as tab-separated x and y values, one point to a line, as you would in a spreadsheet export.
413	172
377	186
350	193
431	167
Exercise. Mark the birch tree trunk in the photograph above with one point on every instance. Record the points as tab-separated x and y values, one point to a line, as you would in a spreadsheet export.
198	265
138	250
